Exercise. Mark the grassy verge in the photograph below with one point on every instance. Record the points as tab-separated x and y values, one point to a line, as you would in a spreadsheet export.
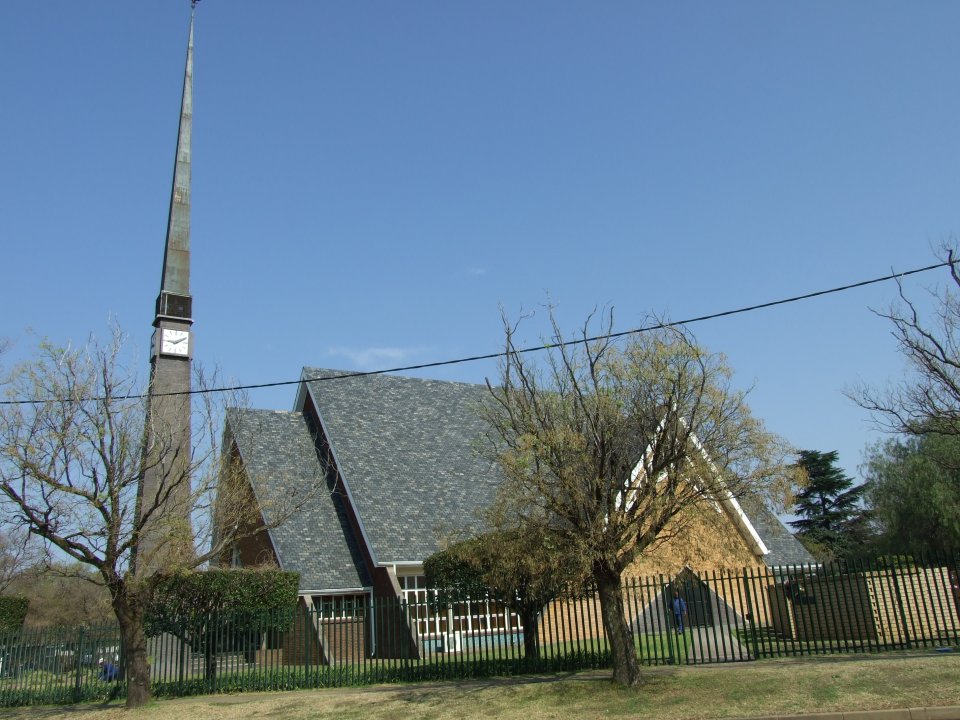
742	690
489	657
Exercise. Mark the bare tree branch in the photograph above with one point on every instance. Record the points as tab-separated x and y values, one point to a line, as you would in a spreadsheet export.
607	449
927	399
71	469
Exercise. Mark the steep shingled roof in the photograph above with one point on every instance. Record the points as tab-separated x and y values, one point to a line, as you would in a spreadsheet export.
280	456
785	549
407	450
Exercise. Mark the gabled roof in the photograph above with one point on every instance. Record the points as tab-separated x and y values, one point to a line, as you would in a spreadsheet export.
408	455
280	457
785	549
777	545
407	451
727	503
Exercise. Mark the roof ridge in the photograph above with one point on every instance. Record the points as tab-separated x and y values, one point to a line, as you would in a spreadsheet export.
239	409
323	372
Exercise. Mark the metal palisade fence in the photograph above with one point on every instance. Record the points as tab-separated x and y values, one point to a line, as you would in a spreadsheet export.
689	618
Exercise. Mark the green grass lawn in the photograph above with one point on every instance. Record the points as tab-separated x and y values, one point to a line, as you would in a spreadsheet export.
676	693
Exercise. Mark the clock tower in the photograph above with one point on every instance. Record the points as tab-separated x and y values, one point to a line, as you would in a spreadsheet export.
164	500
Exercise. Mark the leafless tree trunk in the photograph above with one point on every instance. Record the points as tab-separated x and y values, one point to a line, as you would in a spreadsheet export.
128	605
72	463
16	556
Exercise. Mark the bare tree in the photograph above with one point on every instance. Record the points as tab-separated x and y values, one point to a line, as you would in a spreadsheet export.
63	594
606	449
927	399
71	463
17	556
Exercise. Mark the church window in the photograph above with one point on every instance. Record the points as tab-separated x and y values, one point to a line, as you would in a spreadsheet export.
341	607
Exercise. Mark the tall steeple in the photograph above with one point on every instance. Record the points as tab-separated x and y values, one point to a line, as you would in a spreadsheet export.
174	298
164	501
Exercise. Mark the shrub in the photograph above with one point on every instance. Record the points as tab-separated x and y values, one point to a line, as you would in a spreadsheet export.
13	610
223	610
263	597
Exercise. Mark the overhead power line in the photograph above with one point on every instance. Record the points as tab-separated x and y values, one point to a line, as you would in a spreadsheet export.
531	349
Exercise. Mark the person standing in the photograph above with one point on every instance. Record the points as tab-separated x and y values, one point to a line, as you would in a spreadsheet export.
679	611
108	671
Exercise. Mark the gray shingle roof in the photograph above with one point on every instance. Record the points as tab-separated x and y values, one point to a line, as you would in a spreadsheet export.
407	450
785	549
280	457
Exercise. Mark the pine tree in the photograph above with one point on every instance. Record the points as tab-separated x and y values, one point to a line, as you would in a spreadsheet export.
832	521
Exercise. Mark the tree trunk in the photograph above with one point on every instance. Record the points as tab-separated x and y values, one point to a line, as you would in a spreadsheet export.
530	617
129	607
626	667
210	653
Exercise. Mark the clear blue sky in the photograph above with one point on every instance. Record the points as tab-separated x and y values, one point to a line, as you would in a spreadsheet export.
372	180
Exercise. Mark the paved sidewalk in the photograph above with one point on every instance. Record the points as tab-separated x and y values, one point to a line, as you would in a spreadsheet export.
716	647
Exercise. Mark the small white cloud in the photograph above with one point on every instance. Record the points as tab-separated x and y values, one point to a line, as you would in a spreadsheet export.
373	358
476	271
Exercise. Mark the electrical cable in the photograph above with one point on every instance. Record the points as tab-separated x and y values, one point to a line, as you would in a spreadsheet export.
531	349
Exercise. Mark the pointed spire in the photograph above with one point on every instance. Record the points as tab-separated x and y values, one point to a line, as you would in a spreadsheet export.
176	256
164	496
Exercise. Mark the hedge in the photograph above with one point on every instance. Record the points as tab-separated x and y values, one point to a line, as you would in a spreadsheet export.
13	610
186	598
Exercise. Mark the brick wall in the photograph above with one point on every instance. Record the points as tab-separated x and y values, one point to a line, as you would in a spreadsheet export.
913	604
701	539
301	644
344	639
833	608
891	607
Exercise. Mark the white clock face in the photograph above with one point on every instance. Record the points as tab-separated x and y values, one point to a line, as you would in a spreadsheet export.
174	342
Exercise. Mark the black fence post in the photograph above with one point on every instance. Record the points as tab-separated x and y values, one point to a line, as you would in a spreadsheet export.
78	661
901	611
751	615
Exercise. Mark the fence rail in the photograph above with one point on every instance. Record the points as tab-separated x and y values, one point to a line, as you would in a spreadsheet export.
725	617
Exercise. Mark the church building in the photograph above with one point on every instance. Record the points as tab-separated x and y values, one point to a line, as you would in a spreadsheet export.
385	469
400	473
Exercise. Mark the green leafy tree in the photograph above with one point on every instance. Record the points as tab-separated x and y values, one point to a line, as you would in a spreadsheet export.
605	448
210	609
523	571
913	480
13	610
913	490
832	520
